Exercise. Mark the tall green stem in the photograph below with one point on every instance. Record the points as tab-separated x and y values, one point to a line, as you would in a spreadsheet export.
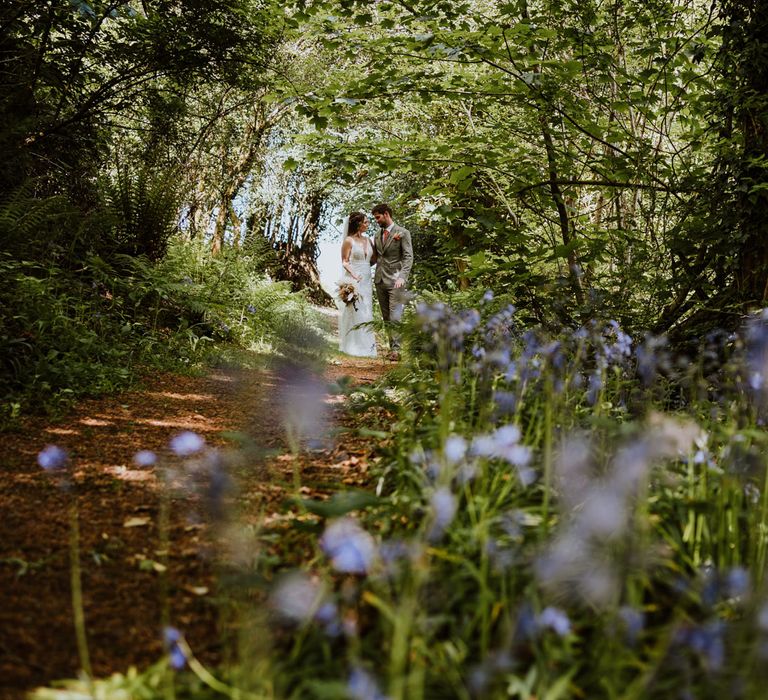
77	589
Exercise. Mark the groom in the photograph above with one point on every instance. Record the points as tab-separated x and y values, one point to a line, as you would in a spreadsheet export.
394	259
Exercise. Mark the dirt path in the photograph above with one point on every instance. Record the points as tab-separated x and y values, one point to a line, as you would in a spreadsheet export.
119	504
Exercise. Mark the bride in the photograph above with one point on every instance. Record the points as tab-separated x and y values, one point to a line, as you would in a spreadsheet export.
356	259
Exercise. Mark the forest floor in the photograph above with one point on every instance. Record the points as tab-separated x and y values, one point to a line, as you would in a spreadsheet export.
119	504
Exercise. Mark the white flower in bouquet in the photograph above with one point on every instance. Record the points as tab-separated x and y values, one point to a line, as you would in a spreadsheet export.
347	293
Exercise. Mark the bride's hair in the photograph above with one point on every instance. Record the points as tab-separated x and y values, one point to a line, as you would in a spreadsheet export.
356	219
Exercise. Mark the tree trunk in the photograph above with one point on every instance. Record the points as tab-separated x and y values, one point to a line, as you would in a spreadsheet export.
752	180
562	211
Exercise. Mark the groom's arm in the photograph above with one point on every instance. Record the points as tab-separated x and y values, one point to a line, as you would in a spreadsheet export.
406	255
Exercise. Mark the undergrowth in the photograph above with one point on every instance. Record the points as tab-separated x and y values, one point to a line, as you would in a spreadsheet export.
98	327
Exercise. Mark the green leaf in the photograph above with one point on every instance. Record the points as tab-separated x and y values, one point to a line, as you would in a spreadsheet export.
461	174
478	259
378	434
340	503
560	686
563	251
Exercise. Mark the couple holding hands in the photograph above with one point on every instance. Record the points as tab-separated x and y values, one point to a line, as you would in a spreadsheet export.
391	251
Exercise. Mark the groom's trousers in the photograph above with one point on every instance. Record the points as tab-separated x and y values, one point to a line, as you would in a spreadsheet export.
391	302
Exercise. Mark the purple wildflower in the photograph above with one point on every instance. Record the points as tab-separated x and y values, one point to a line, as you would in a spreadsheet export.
145	458
186	444
327	616
297	597
707	642
455	448
52	458
444	506
555	620
362	686
633	621
177	657
737	583
506	402
351	549
595	384
526	626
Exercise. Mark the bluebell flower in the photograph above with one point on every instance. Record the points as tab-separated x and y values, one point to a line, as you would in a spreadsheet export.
186	444
351	549
707	642
483	446
526	627
710	590
327	616
251	309
622	347
145	458
417	457
554	619
429	314
506	435
455	448
595	384
466	473
432	467
511	372
506	402
297	597
177	658
362	686
478	352
503	444
52	458
581	334
737	582
488	296
444	507
500	359
633	621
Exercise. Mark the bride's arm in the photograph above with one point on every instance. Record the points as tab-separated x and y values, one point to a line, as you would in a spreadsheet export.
346	254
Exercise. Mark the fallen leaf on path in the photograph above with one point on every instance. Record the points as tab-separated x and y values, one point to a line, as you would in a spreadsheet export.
197	590
137	522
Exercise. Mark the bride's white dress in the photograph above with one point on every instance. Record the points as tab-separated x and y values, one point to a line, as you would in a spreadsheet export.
358	341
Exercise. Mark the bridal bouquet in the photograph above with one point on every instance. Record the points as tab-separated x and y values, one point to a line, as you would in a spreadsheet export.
347	292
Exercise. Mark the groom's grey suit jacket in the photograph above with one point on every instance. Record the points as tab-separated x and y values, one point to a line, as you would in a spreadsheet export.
395	257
